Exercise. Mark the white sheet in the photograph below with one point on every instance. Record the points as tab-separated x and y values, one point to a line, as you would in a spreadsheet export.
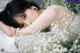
7	43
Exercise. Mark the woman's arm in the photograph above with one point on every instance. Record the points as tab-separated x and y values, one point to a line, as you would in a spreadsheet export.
10	31
42	22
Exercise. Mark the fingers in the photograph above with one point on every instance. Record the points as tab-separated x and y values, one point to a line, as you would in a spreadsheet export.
12	31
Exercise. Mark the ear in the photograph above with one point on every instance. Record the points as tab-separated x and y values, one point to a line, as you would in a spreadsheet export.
34	8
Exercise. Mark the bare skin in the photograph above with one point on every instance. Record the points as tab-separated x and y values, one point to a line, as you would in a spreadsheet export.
7	29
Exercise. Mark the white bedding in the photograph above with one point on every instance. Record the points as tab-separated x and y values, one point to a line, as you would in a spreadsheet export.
7	43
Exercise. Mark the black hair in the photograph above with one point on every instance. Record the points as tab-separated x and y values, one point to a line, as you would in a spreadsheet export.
15	7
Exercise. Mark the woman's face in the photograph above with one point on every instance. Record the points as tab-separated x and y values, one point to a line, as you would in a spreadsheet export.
27	17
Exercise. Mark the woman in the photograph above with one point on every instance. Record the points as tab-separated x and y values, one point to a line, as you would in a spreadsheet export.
31	17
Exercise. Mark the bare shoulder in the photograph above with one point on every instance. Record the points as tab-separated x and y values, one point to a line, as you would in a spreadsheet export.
57	7
54	10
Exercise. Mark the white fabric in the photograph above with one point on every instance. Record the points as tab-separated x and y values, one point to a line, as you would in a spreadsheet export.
7	43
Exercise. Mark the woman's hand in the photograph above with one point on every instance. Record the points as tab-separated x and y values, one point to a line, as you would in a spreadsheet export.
10	31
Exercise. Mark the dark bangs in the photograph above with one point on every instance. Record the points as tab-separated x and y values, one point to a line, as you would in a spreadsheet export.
17	7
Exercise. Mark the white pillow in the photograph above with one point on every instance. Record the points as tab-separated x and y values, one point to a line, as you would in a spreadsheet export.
7	43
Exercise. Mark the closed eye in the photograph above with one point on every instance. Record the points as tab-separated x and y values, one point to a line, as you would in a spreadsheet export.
23	16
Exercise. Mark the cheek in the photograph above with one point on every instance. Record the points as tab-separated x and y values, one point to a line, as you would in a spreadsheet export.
32	14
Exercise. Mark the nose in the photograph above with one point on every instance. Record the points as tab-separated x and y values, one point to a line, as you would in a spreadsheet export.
27	23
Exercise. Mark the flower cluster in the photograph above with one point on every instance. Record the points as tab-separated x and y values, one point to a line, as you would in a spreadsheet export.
58	40
62	38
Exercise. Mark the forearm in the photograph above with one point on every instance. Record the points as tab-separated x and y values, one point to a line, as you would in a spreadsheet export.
24	31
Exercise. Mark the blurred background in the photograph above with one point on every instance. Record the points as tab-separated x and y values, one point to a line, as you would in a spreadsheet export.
4	2
73	6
